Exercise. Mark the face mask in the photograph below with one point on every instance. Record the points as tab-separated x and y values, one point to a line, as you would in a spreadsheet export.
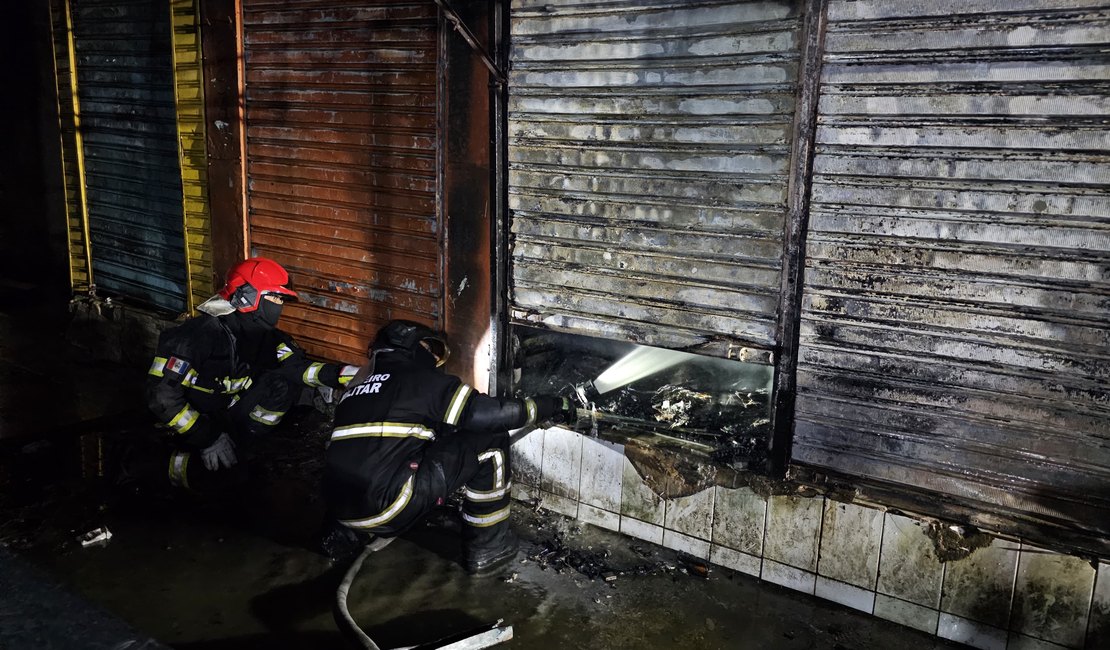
269	313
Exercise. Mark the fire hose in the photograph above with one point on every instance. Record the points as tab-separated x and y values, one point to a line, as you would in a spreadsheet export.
481	637
343	614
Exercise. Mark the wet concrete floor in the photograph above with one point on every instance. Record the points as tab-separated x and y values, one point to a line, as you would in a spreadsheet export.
243	574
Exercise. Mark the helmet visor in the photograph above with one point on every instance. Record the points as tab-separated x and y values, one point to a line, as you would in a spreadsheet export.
286	292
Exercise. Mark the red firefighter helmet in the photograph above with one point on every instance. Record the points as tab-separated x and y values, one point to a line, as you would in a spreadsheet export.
253	278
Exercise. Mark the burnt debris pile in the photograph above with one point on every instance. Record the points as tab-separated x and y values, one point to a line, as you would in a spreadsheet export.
564	552
719	403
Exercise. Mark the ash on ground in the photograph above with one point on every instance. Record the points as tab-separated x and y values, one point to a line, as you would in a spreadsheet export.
720	403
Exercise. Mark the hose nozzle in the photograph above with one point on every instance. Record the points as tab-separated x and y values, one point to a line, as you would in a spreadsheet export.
586	393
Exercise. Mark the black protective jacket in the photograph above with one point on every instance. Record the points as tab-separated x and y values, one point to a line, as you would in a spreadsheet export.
384	424
202	365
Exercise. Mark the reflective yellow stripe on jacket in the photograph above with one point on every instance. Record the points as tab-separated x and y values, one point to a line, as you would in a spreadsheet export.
184	420
346	374
383	430
311	375
457	404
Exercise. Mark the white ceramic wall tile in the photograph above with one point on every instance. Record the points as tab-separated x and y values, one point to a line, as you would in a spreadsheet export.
525	493
1098	629
850	541
527	456
845	594
642	530
559	504
562	463
598	517
981	586
602	473
908	565
976	635
735	560
793	524
698	548
788	576
739	517
637	499
1022	642
692	515
1052	596
906	613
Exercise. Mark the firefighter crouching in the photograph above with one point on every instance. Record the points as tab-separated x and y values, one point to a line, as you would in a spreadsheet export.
407	435
225	378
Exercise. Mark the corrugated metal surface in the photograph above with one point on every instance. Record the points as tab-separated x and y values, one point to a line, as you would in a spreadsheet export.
957	290
125	86
72	173
649	150
189	96
342	163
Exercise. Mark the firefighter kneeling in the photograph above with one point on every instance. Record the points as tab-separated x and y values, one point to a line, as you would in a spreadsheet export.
407	436
224	379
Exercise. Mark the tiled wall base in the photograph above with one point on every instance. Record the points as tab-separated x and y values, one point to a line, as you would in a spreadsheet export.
1006	596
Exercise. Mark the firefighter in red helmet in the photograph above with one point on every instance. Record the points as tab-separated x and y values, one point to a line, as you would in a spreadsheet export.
226	378
407	436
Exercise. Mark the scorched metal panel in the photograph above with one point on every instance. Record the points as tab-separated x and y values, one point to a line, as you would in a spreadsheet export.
125	88
954	330
341	147
649	150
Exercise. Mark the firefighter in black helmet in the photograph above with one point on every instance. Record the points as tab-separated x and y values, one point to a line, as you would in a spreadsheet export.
407	435
224	376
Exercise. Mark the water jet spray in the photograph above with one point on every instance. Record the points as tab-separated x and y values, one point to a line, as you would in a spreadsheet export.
637	364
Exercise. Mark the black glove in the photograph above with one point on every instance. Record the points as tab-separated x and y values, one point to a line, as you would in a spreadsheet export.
554	408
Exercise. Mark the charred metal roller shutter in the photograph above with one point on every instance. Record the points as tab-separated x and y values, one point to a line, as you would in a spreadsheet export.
132	175
957	291
649	144
341	163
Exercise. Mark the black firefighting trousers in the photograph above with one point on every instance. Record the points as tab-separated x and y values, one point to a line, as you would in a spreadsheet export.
477	464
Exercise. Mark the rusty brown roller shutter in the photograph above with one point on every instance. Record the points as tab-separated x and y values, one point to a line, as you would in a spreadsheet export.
649	147
957	289
341	155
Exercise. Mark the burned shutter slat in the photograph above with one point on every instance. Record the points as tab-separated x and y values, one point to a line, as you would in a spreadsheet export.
649	147
957	290
129	129
341	163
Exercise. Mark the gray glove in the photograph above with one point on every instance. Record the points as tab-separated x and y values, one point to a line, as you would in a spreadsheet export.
220	453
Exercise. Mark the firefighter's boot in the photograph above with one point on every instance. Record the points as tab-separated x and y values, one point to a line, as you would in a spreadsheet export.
489	549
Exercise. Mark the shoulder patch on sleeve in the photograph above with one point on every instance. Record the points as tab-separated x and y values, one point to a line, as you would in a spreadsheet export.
177	366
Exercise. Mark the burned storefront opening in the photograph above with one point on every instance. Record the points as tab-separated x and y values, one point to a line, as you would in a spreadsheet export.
623	389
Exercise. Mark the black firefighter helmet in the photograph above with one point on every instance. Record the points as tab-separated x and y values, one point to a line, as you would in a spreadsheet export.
412	337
